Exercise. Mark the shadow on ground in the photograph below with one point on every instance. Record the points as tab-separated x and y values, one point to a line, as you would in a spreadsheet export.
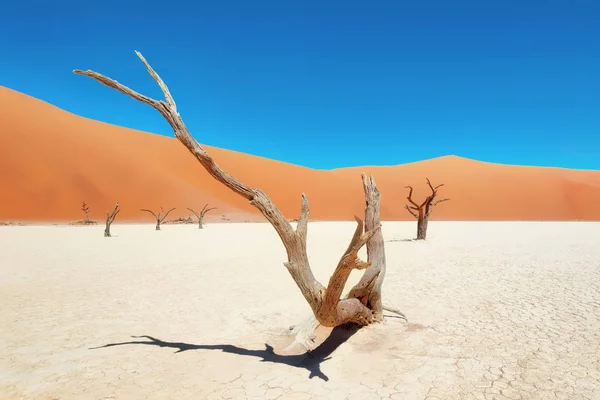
309	361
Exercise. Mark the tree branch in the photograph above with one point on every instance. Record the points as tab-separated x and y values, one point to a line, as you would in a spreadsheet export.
302	224
411	211
438	202
433	189
165	216
297	263
409	198
150	211
205	210
194	212
110	217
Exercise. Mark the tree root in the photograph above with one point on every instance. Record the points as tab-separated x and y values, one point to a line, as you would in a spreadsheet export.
395	311
305	334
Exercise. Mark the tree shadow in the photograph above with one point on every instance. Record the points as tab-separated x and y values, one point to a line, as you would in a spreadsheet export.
401	240
310	361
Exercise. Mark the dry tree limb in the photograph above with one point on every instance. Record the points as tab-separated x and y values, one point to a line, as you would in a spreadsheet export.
395	311
110	218
200	215
363	305
160	217
409	209
424	209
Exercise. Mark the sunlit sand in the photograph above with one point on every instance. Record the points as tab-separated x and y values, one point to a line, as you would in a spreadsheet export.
501	309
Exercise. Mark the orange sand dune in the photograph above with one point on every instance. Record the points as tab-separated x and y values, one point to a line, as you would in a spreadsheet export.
52	160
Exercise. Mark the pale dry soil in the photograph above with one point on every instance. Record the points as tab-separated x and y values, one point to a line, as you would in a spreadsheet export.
496	311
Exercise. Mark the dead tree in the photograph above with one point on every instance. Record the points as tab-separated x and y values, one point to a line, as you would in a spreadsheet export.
86	210
201	215
363	304
160	217
110	218
422	211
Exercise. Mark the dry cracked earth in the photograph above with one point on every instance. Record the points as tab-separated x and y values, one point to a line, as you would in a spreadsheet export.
496	311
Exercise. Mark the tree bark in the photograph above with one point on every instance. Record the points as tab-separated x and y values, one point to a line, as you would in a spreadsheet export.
422	224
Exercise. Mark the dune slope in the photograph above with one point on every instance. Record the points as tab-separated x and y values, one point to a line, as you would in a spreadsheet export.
51	163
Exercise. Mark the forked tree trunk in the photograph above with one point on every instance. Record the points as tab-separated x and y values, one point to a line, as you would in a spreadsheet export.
201	215
363	305
110	218
422	211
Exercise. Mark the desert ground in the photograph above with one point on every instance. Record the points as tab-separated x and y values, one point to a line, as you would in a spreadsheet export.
496	310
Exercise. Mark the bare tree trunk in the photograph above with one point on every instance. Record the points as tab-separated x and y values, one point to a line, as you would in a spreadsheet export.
110	218
158	225
422	228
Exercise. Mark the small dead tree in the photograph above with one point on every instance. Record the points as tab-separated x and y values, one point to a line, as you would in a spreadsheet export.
110	218
86	210
201	215
422	211
160	217
363	304
87	220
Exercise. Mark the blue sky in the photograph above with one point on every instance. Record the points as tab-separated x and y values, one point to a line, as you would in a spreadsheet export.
328	84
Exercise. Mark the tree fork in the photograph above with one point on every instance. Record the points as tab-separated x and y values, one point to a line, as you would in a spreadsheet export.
200	215
160	217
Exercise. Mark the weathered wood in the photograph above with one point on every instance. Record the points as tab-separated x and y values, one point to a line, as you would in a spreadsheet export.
325	302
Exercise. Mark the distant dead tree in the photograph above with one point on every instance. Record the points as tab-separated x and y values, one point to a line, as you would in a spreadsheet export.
110	218
86	210
160	217
363	304
422	211
87	220
201	215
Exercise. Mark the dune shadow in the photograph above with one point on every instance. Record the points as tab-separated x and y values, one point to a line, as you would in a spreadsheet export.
310	361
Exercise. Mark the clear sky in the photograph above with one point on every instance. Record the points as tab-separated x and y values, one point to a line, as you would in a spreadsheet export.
329	84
